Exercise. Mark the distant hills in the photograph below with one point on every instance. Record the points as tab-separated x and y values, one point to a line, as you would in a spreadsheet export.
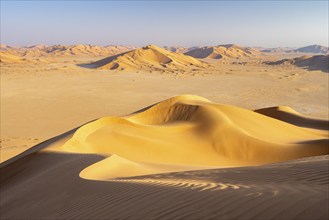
150	57
64	50
214	52
315	49
317	62
170	58
222	52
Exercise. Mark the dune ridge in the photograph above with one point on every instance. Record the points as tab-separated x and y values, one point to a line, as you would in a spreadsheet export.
78	50
228	51
192	131
6	57
317	62
150	57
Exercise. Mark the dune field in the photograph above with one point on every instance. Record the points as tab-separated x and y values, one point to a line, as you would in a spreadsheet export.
120	132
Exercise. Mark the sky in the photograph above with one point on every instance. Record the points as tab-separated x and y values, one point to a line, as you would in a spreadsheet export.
165	23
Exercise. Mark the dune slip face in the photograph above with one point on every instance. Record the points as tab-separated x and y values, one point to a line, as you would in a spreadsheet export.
183	158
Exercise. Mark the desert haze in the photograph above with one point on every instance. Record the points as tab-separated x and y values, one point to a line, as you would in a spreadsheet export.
125	132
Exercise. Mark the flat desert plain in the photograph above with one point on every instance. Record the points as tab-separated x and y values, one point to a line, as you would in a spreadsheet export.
146	133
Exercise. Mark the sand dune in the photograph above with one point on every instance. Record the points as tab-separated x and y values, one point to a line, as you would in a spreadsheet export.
228	51
148	58
71	175
47	185
4	47
313	49
317	62
188	133
6	57
176	49
85	50
78	50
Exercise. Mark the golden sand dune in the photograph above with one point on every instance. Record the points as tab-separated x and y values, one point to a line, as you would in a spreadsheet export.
192	131
148	58
71	176
80	50
222	52
6	57
317	62
85	50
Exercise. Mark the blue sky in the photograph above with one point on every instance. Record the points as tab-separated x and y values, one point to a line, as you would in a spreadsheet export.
187	23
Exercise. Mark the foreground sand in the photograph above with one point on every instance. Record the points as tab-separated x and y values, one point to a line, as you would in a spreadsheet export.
37	187
97	171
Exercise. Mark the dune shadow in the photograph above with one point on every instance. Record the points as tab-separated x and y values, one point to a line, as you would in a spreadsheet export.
297	120
46	185
41	145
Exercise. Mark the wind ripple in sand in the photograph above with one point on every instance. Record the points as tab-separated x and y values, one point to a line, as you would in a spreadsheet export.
277	191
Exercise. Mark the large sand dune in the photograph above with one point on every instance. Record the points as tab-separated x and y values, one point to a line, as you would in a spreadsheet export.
71	176
229	51
190	130
6	57
148	58
317	62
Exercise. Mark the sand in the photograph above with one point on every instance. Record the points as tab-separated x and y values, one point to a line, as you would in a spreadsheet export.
47	185
229	51
317	62
148	58
89	143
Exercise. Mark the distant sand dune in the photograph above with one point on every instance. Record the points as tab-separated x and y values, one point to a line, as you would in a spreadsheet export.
317	62
148	58
222	52
6	57
78	50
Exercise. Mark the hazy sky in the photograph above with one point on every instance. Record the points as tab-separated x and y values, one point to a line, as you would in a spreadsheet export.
187	23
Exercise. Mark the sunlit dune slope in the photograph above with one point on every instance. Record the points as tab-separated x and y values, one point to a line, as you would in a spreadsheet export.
6	57
60	51
222	52
192	131
148	58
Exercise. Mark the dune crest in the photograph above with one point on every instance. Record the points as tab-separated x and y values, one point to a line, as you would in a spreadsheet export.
190	131
317	62
229	51
6	57
78	50
150	57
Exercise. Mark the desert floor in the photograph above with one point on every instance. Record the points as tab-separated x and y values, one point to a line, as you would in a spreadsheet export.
41	101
